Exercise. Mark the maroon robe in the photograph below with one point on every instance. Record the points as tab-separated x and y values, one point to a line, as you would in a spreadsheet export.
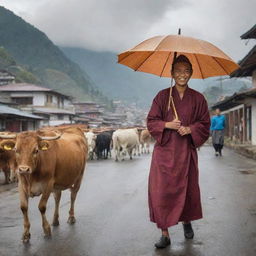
174	193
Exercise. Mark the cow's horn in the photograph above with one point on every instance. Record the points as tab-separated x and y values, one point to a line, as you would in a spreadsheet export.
57	136
7	136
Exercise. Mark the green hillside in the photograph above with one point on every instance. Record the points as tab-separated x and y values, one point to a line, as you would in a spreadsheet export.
22	75
115	80
32	50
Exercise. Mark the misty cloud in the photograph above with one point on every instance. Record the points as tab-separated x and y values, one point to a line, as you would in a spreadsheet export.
101	25
117	25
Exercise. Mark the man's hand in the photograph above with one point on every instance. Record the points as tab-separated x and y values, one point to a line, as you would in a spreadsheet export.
174	124
184	130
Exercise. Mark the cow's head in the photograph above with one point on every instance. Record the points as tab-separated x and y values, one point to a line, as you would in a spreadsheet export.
7	155
90	137
27	147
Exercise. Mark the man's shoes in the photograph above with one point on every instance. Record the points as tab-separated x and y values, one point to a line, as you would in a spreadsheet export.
163	242
188	231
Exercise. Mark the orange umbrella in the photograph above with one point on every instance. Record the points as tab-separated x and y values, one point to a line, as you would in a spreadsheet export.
156	55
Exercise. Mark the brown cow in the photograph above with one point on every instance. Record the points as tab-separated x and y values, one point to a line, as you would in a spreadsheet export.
7	160
4	165
48	163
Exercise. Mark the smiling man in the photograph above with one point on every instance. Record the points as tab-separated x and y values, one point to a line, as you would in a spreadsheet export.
174	194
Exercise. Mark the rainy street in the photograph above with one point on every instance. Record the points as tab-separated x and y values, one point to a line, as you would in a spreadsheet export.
112	214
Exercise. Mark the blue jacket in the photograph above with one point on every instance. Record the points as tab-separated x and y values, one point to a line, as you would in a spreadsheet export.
217	123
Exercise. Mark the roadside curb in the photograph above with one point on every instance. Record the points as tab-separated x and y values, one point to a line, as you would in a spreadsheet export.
243	149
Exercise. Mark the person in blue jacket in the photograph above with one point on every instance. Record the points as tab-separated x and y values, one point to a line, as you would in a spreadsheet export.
217	131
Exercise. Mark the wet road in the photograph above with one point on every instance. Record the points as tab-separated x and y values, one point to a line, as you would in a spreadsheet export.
112	214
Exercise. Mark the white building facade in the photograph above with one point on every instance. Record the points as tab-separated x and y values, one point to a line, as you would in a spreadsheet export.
54	107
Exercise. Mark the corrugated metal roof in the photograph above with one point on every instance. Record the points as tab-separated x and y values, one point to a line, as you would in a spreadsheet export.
234	99
25	87
251	33
86	103
53	111
5	110
247	65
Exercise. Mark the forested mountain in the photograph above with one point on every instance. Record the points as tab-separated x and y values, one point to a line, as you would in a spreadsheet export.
115	80
31	50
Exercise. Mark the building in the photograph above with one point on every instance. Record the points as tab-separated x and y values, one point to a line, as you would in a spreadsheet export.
248	63
15	120
6	77
240	112
88	109
114	120
89	113
240	108
55	108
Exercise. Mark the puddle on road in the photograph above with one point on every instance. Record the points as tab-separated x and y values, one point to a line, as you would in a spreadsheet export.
252	211
8	222
190	248
247	171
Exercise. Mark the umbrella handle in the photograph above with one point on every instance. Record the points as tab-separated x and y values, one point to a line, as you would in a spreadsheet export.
170	96
174	109
171	102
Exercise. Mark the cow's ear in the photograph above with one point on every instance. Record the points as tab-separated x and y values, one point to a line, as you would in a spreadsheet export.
7	145
43	145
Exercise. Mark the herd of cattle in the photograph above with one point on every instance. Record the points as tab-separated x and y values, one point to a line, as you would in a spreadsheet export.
122	141
53	159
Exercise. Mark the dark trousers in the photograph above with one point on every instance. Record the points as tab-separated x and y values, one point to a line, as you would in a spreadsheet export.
218	147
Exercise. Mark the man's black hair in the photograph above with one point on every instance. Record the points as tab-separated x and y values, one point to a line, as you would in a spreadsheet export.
181	58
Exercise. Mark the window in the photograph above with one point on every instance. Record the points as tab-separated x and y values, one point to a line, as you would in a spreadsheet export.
60	102
24	125
23	100
60	117
48	98
248	122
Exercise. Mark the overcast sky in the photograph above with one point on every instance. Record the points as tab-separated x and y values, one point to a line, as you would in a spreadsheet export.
117	25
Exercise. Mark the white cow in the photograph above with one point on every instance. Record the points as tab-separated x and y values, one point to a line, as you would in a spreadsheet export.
91	137
125	140
145	140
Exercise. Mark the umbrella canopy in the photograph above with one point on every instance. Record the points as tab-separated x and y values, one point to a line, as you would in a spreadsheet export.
155	56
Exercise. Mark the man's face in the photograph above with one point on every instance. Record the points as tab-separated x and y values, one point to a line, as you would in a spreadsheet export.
217	111
181	73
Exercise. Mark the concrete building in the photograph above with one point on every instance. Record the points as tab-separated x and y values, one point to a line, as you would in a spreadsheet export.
6	77
240	112
114	120
89	113
240	108
15	120
55	108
